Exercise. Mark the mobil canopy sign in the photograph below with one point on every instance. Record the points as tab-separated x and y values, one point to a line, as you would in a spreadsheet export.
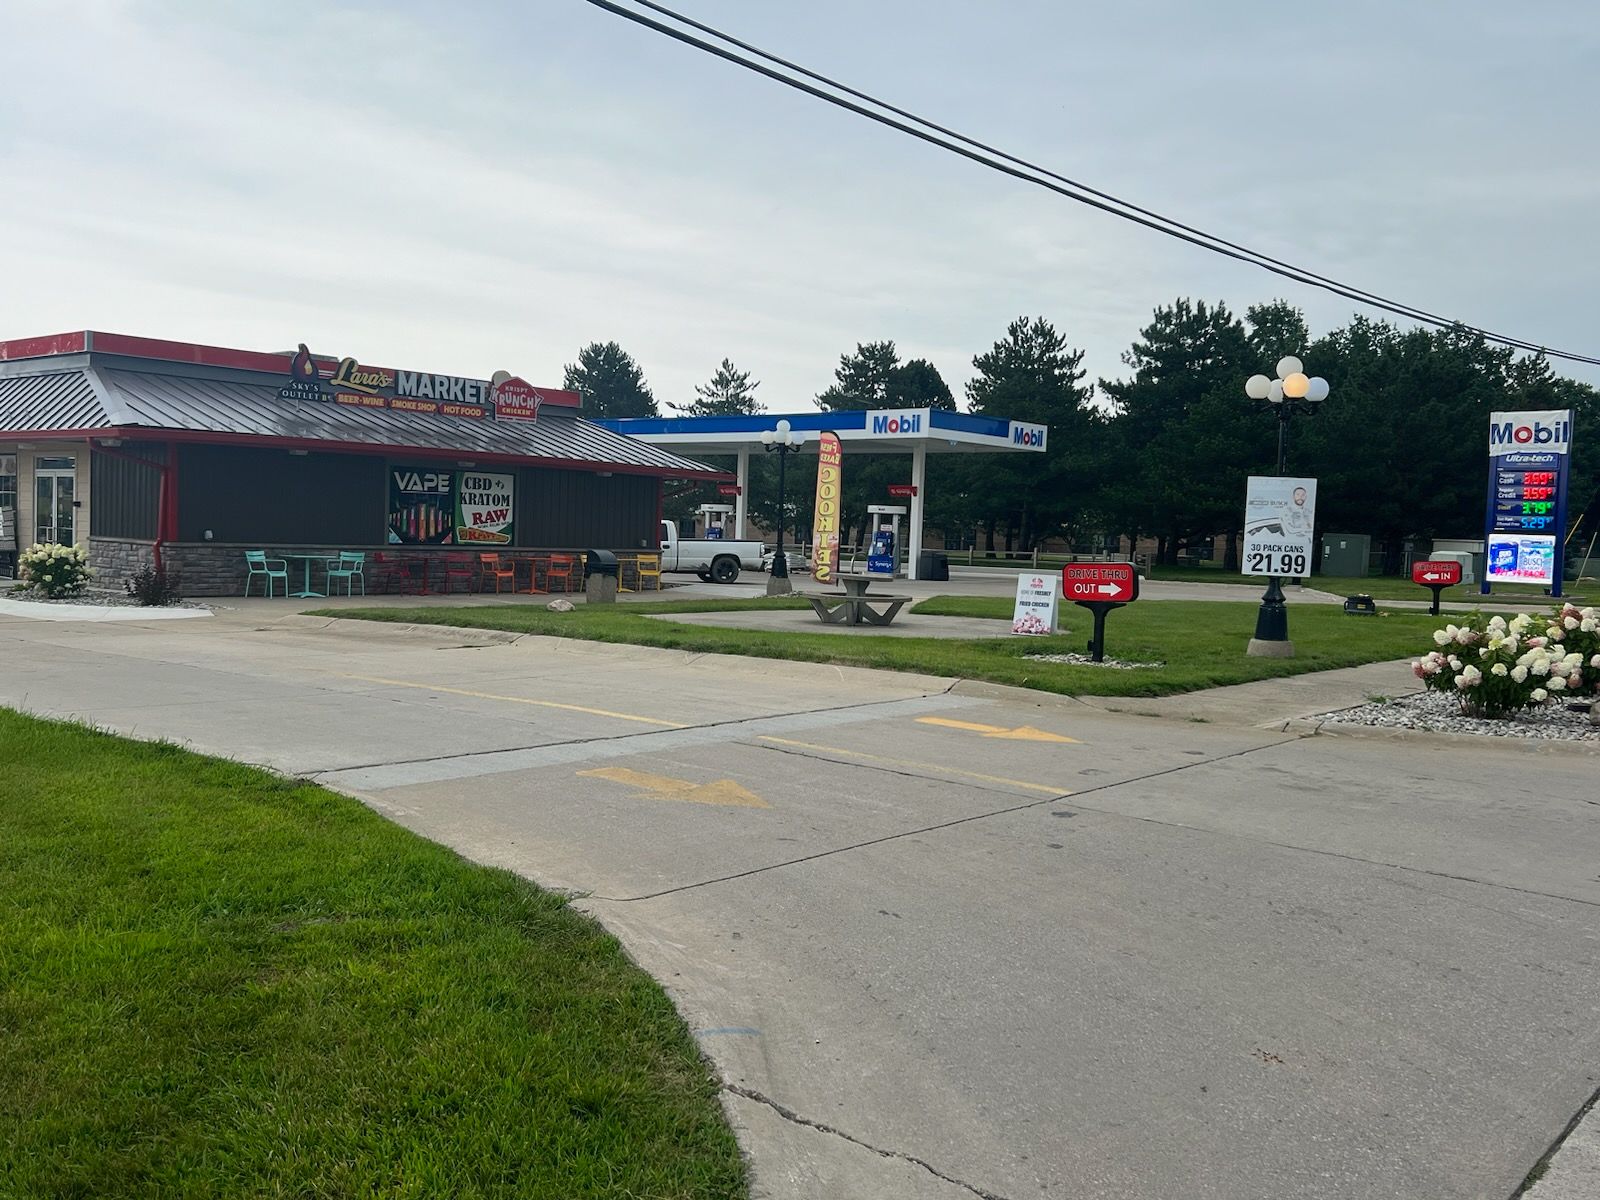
1027	436
909	422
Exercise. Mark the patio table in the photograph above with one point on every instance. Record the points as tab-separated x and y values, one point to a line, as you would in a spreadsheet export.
305	591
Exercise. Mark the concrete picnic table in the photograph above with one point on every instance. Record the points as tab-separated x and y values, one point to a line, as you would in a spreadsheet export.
853	606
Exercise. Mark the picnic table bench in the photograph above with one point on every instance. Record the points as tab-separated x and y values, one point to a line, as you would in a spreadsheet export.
853	606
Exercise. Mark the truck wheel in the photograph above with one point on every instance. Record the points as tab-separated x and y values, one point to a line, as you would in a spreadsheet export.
725	569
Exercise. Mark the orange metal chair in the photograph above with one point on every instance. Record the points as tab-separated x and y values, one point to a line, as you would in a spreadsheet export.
560	567
490	567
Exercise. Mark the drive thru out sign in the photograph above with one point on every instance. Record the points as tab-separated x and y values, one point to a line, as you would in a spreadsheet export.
1099	587
1116	583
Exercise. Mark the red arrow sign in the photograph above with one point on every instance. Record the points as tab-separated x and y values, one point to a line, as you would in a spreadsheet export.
1113	583
902	489
1440	573
728	489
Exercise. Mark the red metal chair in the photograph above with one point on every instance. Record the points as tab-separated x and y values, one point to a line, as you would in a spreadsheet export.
458	567
560	568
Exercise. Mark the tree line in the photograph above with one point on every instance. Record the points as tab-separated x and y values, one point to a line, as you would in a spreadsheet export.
1399	448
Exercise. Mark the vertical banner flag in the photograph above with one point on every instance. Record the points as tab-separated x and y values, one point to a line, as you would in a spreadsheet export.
825	533
1527	506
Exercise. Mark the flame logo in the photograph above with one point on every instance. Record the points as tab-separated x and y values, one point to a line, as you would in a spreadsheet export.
303	367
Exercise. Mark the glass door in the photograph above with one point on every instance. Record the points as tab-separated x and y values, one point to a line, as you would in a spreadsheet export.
54	488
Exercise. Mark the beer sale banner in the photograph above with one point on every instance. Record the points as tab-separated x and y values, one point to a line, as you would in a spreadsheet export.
825	531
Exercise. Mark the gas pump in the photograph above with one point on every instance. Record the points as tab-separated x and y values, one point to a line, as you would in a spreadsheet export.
714	520
883	554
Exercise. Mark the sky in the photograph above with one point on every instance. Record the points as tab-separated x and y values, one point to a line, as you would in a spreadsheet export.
471	187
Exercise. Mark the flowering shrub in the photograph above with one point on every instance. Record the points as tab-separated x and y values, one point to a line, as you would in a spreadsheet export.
1495	667
54	569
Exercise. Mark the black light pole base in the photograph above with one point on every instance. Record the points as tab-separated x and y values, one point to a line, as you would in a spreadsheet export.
1272	625
778	582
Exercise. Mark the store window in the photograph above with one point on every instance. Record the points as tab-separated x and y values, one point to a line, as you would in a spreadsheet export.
8	481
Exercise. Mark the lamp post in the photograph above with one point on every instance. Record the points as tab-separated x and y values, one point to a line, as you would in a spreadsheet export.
782	442
1292	391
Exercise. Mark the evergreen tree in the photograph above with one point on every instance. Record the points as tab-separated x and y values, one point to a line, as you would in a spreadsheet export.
610	381
1031	375
730	392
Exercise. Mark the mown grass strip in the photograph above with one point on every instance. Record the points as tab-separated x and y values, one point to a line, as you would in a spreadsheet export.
1202	643
217	982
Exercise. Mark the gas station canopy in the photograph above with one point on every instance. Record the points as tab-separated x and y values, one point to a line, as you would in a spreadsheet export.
916	432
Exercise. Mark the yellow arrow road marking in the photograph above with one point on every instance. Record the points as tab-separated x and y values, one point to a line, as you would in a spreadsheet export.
721	791
920	766
593	712
1022	733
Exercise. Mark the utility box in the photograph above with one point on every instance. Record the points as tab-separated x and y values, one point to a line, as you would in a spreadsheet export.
1467	560
1346	554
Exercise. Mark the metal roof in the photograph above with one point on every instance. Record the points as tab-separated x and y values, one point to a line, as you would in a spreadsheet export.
58	400
131	401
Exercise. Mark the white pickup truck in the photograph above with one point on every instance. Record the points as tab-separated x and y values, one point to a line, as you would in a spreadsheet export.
713	559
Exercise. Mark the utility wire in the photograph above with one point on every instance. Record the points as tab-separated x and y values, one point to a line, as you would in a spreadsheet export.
1026	171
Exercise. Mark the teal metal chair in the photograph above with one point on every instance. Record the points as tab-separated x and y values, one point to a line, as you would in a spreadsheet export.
350	566
265	569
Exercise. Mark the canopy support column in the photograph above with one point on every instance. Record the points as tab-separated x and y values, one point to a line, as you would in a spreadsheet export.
741	502
919	484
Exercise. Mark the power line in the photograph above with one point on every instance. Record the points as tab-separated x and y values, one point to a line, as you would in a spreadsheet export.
1022	169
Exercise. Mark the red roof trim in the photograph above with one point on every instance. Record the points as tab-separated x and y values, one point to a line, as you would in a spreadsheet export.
43	347
200	355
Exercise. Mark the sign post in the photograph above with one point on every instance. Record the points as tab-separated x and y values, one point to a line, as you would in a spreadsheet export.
1099	587
1436	575
1526	513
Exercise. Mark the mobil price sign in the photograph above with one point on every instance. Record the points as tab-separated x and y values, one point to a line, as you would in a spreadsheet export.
1103	583
1436	573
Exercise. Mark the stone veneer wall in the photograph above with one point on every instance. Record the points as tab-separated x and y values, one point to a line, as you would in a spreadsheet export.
215	569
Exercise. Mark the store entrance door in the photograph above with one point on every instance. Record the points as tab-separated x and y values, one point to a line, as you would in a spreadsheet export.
55	483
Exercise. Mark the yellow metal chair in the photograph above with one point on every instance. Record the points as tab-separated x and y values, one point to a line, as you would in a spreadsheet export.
648	566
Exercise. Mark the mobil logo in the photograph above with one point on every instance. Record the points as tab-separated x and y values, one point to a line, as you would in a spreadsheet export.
897	423
1029	437
1551	431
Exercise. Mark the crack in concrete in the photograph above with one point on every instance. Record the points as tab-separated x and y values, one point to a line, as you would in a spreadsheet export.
788	1114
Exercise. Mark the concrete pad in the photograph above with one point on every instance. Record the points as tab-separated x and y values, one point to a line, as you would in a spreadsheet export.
33	610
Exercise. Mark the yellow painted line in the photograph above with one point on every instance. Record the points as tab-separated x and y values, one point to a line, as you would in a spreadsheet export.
920	766
593	712
1022	733
720	791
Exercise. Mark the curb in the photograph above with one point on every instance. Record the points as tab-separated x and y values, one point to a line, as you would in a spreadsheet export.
1322	727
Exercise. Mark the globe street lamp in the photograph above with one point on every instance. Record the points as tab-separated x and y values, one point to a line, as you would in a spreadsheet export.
782	442
1292	391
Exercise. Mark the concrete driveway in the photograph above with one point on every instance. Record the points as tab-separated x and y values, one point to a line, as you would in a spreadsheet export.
941	943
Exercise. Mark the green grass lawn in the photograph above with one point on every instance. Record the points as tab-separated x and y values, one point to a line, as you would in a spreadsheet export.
1201	642
1379	587
216	982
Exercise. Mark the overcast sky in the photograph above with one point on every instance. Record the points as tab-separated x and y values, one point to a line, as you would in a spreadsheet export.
474	186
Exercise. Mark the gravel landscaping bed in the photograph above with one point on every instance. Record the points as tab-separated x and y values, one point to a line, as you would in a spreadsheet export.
95	600
1083	660
1435	712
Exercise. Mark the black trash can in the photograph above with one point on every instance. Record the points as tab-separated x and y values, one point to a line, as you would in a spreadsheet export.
934	565
599	562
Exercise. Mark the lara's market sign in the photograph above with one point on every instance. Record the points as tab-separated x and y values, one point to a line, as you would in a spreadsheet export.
485	504
1038	604
505	397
